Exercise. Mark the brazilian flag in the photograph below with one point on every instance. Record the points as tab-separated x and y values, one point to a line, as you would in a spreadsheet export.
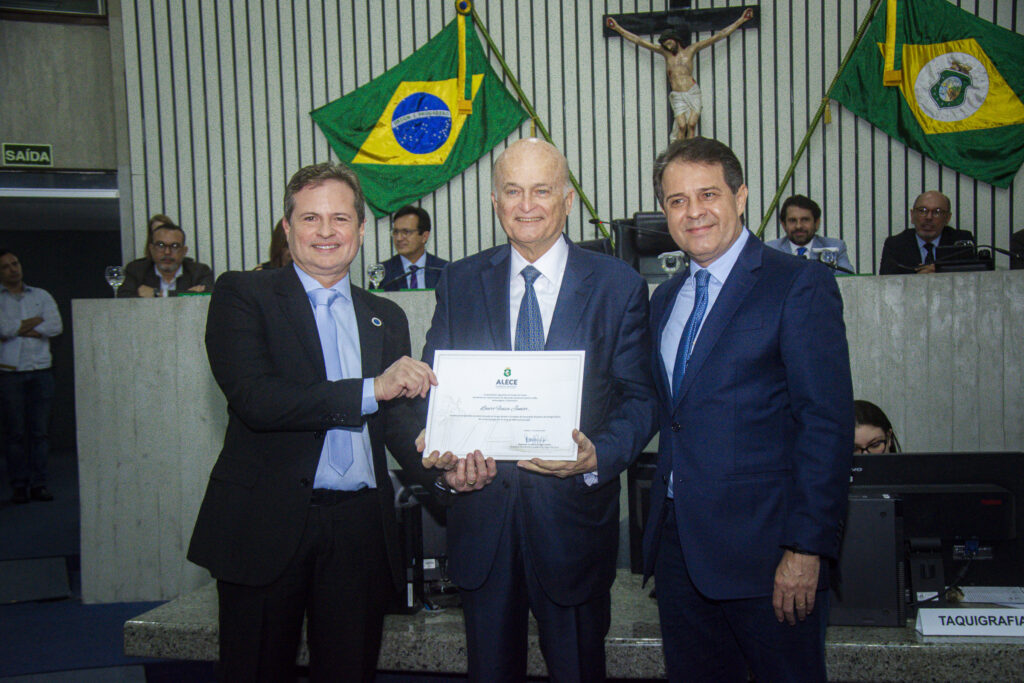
411	129
952	86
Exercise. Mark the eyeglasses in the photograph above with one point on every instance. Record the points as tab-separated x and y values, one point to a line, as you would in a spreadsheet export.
164	246
876	446
924	212
396	232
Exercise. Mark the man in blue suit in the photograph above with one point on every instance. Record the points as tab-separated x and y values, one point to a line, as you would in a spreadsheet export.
800	218
756	404
542	536
410	230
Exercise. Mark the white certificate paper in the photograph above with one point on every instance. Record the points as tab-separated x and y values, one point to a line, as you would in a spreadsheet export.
511	405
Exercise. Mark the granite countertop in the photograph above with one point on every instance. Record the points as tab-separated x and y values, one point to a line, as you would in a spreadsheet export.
186	628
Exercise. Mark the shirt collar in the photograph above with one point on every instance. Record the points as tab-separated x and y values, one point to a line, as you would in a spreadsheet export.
420	263
342	286
160	276
722	266
551	265
793	246
921	242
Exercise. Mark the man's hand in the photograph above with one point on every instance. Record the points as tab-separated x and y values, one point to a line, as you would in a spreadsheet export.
197	289
796	582
586	460
27	326
471	473
146	291
405	378
925	268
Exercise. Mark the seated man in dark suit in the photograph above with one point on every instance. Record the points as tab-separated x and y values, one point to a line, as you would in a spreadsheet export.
166	271
914	249
410	231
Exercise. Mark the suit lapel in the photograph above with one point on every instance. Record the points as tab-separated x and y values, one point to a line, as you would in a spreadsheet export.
371	335
299	313
737	286
494	290
572	301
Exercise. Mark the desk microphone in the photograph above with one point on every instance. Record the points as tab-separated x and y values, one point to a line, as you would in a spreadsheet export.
406	274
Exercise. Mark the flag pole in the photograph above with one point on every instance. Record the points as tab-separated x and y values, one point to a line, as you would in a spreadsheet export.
768	214
534	118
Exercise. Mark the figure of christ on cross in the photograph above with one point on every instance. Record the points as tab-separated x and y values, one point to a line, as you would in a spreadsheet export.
684	93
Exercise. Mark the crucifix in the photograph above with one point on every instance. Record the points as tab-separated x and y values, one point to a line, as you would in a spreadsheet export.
674	45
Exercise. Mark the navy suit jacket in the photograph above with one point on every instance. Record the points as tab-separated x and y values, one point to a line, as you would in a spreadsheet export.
759	439
393	269
571	529
265	353
900	253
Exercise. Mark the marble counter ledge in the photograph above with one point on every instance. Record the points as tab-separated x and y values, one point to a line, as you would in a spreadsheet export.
186	628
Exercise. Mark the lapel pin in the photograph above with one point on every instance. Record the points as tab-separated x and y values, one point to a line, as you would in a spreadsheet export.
376	321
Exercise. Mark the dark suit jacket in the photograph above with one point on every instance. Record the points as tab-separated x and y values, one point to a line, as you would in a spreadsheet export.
572	529
758	439
140	272
264	351
393	269
900	253
1017	247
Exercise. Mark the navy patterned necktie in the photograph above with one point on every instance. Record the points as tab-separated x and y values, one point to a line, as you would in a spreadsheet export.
413	282
700	306
529	325
801	251
930	248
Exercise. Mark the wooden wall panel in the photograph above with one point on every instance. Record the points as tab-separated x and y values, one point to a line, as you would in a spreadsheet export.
219	95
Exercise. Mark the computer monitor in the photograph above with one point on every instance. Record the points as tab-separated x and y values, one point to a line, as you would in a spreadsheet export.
962	514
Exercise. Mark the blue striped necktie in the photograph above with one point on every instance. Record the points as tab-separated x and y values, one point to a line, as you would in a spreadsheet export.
339	443
529	325
700	306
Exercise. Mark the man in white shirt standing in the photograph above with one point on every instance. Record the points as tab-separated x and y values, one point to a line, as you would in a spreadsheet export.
28	318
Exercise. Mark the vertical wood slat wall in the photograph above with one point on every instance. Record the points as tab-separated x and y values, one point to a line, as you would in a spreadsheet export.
219	95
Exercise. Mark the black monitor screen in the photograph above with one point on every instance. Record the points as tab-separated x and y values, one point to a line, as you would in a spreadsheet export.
967	506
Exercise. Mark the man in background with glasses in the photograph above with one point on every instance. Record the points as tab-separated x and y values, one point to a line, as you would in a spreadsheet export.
410	230
915	249
166	271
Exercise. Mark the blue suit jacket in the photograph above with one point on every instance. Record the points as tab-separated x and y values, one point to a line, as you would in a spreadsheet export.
393	269
759	438
571	528
818	242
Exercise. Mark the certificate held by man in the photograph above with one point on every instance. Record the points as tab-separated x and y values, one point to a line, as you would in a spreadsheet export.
510	405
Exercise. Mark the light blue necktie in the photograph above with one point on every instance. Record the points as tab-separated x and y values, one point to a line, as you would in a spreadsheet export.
339	443
413	282
700	306
529	326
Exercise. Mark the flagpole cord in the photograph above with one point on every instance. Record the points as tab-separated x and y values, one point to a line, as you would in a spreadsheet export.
535	119
770	211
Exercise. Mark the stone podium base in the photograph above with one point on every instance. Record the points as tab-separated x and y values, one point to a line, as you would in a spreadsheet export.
186	628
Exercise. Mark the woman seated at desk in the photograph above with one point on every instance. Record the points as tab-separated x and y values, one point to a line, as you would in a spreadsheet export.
873	434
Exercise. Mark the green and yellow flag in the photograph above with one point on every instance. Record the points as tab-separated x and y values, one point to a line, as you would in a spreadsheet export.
943	82
411	129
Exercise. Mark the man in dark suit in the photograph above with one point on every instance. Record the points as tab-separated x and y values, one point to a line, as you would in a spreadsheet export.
298	518
410	230
543	535
166	271
756	406
914	249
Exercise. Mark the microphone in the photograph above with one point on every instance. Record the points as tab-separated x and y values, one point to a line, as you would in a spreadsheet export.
406	274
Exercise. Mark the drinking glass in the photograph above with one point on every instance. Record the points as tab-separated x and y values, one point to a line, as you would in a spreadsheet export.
115	277
376	273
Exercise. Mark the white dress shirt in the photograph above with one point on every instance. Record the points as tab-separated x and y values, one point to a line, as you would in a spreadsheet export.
552	267
23	354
